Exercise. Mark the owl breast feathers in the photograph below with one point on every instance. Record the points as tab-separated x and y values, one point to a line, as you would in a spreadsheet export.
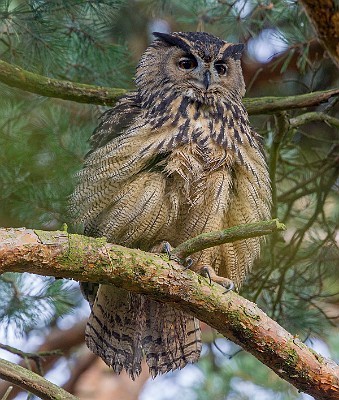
171	160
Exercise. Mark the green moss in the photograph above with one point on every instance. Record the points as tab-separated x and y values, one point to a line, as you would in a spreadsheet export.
319	357
238	327
292	357
76	248
250	314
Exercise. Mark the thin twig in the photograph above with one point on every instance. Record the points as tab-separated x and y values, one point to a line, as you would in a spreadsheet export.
8	391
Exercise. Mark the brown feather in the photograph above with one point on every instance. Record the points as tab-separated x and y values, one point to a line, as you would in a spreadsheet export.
168	162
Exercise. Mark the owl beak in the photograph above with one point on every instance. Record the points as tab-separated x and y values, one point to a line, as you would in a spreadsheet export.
207	79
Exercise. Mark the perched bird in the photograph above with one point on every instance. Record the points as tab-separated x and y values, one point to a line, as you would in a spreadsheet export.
171	160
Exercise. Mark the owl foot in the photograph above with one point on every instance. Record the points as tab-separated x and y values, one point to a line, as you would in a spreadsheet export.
209	273
162	247
165	247
188	262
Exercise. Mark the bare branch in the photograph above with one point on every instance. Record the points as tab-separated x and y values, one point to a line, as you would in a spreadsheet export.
271	104
313	116
87	259
17	77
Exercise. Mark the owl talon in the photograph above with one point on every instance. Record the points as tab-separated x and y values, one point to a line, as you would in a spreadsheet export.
209	273
230	287
188	262
206	272
162	247
167	248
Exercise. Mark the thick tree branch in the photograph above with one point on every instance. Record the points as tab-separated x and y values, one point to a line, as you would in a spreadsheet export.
324	16
87	259
17	77
32	382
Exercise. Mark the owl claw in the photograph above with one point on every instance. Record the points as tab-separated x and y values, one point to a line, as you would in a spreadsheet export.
206	272
162	247
188	262
213	277
230	287
167	249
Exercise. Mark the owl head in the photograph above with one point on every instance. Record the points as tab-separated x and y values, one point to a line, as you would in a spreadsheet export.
197	65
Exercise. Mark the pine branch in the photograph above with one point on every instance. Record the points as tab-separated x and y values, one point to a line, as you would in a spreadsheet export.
87	259
32	382
14	76
324	16
272	104
58	342
17	77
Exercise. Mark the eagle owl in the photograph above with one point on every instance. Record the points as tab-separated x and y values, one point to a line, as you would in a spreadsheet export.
173	159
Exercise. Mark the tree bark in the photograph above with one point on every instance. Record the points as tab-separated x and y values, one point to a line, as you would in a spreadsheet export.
324	16
87	259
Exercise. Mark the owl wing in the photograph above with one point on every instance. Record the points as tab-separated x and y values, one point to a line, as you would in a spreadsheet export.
115	121
112	124
123	324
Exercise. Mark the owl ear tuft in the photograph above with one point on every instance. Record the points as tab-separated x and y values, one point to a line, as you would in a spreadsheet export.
234	51
172	40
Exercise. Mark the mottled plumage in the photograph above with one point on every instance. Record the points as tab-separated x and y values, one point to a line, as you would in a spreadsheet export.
171	160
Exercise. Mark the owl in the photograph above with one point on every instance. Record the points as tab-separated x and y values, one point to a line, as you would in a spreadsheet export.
173	159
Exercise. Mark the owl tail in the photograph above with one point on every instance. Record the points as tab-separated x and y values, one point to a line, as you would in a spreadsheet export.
123	324
171	339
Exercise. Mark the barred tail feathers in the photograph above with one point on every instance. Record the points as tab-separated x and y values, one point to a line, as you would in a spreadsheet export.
123	325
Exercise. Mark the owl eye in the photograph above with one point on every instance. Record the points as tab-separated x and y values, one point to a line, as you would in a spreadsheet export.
187	63
220	67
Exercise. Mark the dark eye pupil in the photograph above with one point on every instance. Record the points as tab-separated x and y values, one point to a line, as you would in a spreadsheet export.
187	64
220	68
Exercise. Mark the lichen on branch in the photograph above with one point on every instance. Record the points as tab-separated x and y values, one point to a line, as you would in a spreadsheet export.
83	258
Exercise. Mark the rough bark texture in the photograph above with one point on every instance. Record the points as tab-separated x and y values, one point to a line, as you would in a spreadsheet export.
73	256
14	76
324	16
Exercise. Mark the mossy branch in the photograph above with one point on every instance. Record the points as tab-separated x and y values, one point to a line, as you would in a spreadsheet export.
88	259
211	239
14	76
311	117
32	382
17	77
